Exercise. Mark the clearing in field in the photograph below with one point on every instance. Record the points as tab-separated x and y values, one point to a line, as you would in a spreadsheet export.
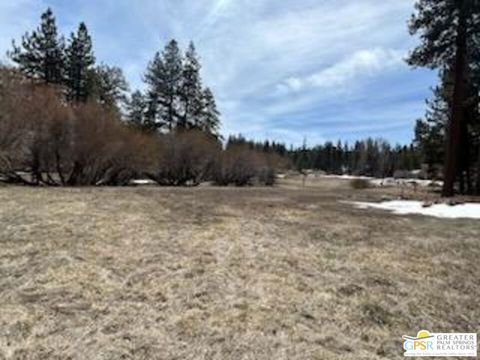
226	273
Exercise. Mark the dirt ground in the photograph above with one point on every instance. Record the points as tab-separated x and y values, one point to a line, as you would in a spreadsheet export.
226	273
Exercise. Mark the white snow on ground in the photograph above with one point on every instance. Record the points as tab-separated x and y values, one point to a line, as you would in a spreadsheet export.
403	207
143	182
383	182
405	182
347	177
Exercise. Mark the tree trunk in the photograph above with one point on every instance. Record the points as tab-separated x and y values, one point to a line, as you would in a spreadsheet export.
454	125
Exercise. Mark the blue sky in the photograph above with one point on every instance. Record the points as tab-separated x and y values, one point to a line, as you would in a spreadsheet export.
285	70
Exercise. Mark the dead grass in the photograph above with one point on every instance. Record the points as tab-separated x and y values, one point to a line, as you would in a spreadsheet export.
359	184
226	273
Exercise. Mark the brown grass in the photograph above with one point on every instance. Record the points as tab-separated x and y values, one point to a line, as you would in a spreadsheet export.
226	273
359	184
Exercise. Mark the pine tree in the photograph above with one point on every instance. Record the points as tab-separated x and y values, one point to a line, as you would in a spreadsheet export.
191	95
449	31
174	96
154	79
163	77
170	86
41	53
79	63
210	117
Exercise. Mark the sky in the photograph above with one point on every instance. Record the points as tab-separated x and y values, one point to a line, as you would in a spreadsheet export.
286	70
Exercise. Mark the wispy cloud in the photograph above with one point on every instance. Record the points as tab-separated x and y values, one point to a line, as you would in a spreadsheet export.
339	76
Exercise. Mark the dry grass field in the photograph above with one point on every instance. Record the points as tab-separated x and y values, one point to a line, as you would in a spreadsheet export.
227	273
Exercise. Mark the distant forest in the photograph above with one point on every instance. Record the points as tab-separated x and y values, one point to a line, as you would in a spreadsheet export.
371	157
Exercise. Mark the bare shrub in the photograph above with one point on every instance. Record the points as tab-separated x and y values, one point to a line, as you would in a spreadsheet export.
237	165
45	141
267	176
190	157
272	163
241	166
359	184
11	124
103	150
28	112
185	158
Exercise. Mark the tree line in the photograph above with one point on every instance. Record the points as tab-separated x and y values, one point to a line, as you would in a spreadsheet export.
370	157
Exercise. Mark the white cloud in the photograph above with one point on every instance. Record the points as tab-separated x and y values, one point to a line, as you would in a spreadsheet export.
339	76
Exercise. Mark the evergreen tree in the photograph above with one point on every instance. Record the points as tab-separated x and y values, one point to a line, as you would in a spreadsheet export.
170	86
449	32
164	79
174	97
210	116
191	95
41	53
79	63
154	79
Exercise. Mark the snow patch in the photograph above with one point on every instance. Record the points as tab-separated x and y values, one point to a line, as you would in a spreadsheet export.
405	182
384	182
347	177
403	207
143	182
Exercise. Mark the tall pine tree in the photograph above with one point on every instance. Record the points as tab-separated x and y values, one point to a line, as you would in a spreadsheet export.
175	98
163	78
191	90
210	119
449	31
79	62
41	53
154	79
172	82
